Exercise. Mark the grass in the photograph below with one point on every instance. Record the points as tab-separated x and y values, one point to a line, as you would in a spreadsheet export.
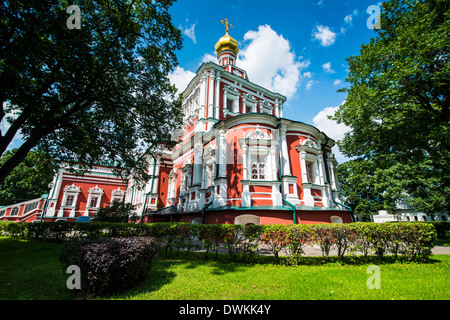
30	270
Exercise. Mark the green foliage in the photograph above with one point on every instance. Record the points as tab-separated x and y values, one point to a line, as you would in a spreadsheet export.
398	109
405	240
29	180
116	212
98	94
110	264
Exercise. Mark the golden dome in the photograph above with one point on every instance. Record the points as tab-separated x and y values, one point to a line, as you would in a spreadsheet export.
227	43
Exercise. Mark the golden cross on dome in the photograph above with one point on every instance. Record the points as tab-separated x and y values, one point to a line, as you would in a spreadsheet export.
227	25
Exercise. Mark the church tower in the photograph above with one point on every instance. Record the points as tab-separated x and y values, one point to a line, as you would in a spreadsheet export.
227	47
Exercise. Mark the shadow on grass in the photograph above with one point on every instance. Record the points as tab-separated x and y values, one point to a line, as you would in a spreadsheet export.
158	277
225	262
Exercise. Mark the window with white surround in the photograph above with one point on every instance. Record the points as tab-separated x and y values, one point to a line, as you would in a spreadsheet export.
94	198
311	162
30	207
311	177
259	156
69	200
70	195
209	171
117	195
258	168
14	211
231	99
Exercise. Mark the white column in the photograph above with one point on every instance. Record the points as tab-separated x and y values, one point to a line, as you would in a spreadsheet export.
210	112
222	154
244	162
286	167
273	159
156	177
198	152
332	171
321	168
217	97
203	94
277	108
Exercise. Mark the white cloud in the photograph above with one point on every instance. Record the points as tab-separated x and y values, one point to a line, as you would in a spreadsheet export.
348	20
310	84
331	128
337	82
270	61
327	67
307	74
325	36
207	57
181	78
189	31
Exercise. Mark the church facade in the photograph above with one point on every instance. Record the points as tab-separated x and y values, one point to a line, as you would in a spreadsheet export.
237	160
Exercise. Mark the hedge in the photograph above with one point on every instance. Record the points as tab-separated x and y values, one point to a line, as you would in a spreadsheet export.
406	240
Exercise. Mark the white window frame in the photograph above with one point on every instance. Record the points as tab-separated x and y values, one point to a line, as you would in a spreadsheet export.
249	102
171	189
230	93
93	193
255	158
13	209
117	195
258	143
70	190
309	152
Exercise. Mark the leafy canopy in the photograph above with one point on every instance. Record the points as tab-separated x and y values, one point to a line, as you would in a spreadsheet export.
29	180
398	107
98	94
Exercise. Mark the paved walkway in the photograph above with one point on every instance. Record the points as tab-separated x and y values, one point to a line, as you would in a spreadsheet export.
315	251
441	250
311	250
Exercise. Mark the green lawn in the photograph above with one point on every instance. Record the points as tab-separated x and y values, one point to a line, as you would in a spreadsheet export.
30	270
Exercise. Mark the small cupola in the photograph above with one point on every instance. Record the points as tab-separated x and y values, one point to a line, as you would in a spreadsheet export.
227	47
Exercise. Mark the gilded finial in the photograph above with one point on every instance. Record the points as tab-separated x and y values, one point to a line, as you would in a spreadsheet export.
227	25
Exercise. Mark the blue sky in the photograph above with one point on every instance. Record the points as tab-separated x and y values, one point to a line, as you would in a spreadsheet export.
297	48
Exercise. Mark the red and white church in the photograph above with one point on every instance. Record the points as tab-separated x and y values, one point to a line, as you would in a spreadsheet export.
238	160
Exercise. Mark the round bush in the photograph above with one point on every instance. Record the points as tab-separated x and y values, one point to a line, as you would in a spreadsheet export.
109	265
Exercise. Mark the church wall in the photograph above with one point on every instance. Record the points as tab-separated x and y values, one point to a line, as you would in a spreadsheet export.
163	182
269	216
294	159
83	196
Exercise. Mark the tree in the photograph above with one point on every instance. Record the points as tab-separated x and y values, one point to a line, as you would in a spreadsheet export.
116	212
97	94
29	180
397	104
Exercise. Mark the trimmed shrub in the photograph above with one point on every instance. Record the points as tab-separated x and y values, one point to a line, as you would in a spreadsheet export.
298	236
109	265
275	238
212	236
405	240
